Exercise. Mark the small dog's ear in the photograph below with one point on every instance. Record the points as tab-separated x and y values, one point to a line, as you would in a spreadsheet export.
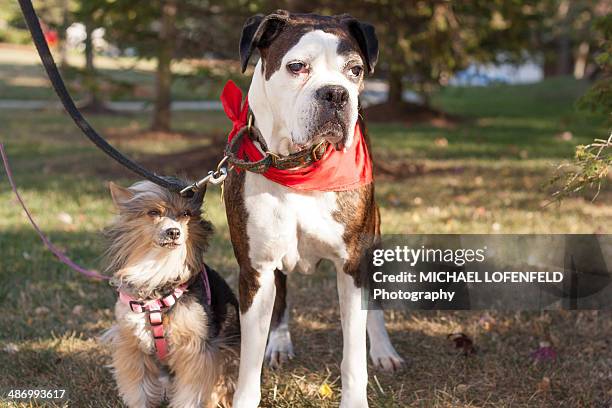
258	32
198	198
119	194
365	34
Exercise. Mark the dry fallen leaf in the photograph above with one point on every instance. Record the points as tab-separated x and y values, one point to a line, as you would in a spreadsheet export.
41	310
441	142
486	322
11	348
325	390
544	353
463	342
544	385
65	218
565	136
462	388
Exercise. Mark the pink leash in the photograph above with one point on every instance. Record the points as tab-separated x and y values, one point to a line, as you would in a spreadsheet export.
56	251
153	307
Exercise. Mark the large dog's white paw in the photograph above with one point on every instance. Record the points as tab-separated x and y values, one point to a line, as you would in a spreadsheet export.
385	357
280	348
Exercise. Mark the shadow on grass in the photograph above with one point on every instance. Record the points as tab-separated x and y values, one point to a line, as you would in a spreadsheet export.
489	141
67	363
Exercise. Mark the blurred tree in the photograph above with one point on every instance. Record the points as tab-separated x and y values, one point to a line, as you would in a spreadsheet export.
170	30
425	42
591	166
564	35
55	15
90	14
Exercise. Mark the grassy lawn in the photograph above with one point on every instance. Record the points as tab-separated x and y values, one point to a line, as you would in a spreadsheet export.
484	175
22	77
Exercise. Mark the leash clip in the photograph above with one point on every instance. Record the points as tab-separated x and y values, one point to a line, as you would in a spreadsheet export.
215	177
218	177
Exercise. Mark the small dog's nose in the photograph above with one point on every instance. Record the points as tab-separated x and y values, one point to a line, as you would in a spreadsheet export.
173	233
335	95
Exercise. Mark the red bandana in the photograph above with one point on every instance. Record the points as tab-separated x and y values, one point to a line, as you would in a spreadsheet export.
336	171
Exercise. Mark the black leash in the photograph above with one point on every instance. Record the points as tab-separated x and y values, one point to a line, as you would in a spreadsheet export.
60	88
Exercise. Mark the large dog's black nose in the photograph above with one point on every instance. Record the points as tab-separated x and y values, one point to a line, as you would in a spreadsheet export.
173	233
335	95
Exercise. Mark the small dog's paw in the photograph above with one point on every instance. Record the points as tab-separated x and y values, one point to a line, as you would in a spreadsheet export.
387	360
279	349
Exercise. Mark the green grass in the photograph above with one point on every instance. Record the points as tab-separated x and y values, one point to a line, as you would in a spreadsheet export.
488	178
22	77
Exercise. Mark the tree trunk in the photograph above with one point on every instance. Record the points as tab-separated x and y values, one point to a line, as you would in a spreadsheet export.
89	49
61	36
95	102
564	56
396	87
165	53
582	58
564	46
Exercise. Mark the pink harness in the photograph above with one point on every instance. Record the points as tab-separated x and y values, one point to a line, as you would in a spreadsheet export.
155	308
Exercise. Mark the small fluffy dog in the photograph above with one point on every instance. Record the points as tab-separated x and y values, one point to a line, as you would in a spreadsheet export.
176	332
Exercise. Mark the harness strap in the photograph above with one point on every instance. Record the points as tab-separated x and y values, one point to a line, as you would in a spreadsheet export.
60	88
155	309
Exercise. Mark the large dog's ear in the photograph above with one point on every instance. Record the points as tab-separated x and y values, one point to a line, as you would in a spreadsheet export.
365	34
258	32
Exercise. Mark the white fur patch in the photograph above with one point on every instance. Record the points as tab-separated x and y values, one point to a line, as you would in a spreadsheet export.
289	229
286	118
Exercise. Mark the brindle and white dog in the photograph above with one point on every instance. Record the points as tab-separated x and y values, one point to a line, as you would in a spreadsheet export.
305	87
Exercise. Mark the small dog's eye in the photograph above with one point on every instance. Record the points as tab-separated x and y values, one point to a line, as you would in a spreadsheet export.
186	213
154	213
297	67
356	70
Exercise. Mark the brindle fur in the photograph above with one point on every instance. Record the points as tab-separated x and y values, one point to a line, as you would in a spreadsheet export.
357	211
280	300
285	30
233	194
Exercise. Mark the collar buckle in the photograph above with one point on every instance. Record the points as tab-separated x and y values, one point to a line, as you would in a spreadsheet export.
322	145
138	303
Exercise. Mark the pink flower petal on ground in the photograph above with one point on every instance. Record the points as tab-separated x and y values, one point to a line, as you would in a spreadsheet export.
544	353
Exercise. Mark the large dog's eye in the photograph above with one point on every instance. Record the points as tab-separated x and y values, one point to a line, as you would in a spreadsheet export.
356	71
186	213
154	213
297	67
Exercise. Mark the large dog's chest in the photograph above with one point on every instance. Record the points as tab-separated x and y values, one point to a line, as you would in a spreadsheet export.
289	229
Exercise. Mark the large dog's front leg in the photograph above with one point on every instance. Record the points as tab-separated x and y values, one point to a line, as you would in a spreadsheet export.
382	353
280	347
257	301
354	369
